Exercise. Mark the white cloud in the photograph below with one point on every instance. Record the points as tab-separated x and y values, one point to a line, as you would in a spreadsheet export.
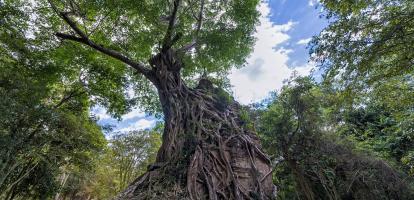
136	112
313	2
139	125
100	113
304	41
267	66
306	69
139	121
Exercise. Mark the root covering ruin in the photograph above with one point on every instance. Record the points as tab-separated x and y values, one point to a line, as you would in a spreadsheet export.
207	152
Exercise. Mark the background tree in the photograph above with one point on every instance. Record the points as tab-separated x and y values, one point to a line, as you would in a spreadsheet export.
126	157
44	120
368	62
132	153
311	160
45	125
367	42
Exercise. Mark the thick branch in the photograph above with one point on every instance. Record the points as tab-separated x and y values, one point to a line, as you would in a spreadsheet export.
167	43
114	54
84	39
188	46
199	20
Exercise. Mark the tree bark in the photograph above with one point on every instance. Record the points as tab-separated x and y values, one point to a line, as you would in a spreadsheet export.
206	153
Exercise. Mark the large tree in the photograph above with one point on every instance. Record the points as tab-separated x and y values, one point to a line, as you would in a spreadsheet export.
161	48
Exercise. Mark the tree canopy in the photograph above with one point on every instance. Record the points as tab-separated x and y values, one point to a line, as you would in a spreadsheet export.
366	43
212	36
320	155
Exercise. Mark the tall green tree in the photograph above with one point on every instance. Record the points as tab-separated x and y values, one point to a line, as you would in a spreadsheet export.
366	53
44	125
175	55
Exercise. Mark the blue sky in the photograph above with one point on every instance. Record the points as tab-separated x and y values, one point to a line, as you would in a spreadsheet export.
305	14
285	28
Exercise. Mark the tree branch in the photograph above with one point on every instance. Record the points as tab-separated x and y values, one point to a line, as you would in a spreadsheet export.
114	54
84	39
199	18
168	42
188	46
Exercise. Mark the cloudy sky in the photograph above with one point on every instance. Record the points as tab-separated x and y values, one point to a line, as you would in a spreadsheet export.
286	26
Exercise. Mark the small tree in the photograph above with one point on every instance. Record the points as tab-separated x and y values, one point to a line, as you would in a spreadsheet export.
132	153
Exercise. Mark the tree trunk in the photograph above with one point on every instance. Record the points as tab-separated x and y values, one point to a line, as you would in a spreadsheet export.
206	153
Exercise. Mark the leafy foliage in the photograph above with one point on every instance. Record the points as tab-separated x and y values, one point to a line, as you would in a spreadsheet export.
312	161
127	157
133	153
366	54
135	29
45	125
44	121
366	42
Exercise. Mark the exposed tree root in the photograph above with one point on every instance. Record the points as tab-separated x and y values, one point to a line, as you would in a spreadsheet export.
207	153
